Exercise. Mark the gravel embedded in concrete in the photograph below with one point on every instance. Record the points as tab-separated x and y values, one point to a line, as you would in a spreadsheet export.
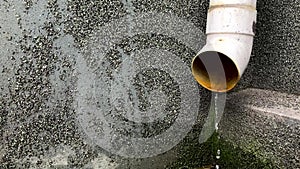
265	123
38	75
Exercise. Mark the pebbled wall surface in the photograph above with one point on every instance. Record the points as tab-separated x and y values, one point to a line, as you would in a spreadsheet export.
40	41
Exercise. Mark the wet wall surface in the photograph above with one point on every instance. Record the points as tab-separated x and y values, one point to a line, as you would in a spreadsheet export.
49	49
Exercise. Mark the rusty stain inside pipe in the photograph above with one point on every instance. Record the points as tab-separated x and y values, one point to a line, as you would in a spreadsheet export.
212	76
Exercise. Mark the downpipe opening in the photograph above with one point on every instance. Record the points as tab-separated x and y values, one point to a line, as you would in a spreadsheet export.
212	69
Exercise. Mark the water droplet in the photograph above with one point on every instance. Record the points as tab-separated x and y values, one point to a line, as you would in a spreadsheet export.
218	156
216	126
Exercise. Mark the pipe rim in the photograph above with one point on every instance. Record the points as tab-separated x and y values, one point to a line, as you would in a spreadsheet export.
222	78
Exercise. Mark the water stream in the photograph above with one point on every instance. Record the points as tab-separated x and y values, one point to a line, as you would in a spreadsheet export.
211	125
217	118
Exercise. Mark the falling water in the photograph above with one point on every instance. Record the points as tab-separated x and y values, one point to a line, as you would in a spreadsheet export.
211	125
217	118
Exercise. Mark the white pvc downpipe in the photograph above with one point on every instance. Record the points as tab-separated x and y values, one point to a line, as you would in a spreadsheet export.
230	30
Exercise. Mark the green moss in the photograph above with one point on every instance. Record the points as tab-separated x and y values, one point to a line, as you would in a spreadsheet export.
193	155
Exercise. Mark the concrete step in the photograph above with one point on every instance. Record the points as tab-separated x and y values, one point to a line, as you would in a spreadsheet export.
265	123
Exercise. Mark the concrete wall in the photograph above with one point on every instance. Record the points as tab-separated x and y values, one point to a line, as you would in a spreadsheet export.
275	61
41	42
